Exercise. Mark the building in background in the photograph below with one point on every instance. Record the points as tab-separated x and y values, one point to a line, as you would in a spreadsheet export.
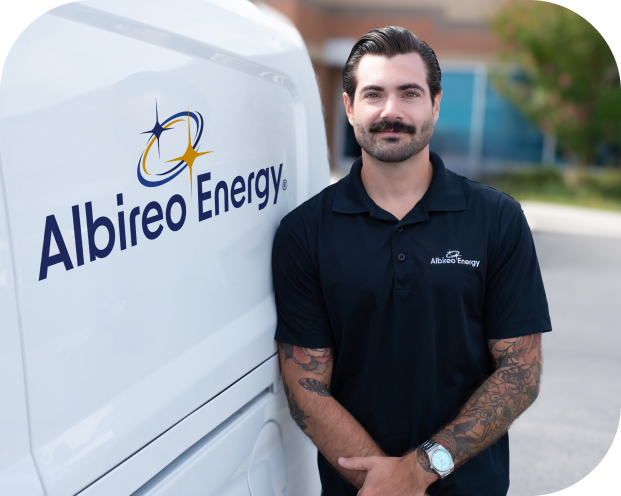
478	131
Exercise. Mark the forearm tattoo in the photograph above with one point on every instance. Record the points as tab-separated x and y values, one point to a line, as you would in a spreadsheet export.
422	461
315	386
315	360
489	412
295	410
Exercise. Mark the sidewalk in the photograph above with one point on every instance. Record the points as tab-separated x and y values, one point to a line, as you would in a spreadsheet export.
549	217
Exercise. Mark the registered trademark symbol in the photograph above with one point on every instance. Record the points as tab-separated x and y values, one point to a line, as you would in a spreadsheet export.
284	184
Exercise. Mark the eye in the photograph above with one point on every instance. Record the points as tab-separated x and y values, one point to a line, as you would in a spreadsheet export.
371	95
411	94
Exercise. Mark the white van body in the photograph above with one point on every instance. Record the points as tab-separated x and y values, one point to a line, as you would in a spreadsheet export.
136	303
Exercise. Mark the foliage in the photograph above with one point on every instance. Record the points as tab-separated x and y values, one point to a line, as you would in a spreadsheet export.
597	188
559	71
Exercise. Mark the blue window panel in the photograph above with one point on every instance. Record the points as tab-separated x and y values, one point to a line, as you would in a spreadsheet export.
452	131
507	134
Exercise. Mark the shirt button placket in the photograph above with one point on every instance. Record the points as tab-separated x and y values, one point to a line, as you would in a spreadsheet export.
400	259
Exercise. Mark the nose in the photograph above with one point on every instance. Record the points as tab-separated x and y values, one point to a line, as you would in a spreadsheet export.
392	109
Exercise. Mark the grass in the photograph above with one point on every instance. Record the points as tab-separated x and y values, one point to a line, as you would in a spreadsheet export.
596	188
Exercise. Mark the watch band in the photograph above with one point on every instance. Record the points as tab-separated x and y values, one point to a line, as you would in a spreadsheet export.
427	445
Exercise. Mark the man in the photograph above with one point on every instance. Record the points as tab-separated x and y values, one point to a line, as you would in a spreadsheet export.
410	301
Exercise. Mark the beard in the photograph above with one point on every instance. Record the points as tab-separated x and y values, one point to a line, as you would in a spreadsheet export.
393	150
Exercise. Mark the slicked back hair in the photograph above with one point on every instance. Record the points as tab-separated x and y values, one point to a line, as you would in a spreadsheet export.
388	42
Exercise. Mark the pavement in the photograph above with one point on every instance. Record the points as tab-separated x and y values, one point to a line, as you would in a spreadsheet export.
564	219
571	426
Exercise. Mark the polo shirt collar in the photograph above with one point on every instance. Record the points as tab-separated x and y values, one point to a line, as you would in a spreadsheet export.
444	194
351	197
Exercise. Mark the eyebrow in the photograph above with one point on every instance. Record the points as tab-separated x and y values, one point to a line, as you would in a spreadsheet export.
410	86
372	87
402	87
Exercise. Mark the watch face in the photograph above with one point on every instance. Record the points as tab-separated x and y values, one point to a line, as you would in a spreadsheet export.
441	460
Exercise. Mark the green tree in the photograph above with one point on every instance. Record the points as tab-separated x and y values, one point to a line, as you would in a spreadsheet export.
559	71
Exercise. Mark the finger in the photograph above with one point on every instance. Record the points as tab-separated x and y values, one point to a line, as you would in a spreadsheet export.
355	463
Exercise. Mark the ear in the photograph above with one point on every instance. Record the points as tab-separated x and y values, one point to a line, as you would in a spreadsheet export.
436	106
349	108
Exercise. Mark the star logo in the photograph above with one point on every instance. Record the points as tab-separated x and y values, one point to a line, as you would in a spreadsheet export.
186	160
157	129
190	154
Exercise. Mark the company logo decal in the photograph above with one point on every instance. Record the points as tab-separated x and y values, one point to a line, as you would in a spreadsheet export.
127	227
454	256
184	161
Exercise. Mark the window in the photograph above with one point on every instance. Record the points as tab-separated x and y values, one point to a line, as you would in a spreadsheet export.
452	132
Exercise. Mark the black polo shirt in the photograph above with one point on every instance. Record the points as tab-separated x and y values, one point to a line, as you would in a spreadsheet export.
408	306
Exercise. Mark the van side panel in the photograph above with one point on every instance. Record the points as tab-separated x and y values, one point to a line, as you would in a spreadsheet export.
18	476
240	440
142	253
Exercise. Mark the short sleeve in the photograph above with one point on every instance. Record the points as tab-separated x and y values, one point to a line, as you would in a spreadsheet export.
515	299
302	314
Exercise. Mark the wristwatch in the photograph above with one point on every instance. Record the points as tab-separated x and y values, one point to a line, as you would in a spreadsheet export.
439	458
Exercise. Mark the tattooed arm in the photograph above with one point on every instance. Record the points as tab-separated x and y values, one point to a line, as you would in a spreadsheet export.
306	374
501	399
485	417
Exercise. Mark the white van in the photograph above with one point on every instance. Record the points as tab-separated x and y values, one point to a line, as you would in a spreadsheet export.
148	150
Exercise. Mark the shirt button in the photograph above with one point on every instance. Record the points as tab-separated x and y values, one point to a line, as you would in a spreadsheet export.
399	229
401	257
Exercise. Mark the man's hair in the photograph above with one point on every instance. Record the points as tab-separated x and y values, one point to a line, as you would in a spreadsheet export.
388	42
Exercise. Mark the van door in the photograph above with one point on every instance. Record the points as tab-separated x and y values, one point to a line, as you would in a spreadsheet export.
149	150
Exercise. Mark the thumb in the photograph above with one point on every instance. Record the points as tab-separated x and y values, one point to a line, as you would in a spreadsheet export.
356	462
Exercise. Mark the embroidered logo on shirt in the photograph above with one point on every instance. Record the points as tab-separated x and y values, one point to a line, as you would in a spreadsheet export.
454	256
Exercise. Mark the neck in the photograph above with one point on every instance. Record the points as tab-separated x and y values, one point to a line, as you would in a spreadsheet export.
397	187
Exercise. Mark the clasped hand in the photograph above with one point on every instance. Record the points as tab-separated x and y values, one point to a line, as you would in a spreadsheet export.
390	476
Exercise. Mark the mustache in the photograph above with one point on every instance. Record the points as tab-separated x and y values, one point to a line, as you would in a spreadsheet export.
396	126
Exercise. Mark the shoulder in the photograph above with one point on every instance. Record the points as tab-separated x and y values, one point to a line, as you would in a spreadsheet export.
310	213
481	196
301	226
